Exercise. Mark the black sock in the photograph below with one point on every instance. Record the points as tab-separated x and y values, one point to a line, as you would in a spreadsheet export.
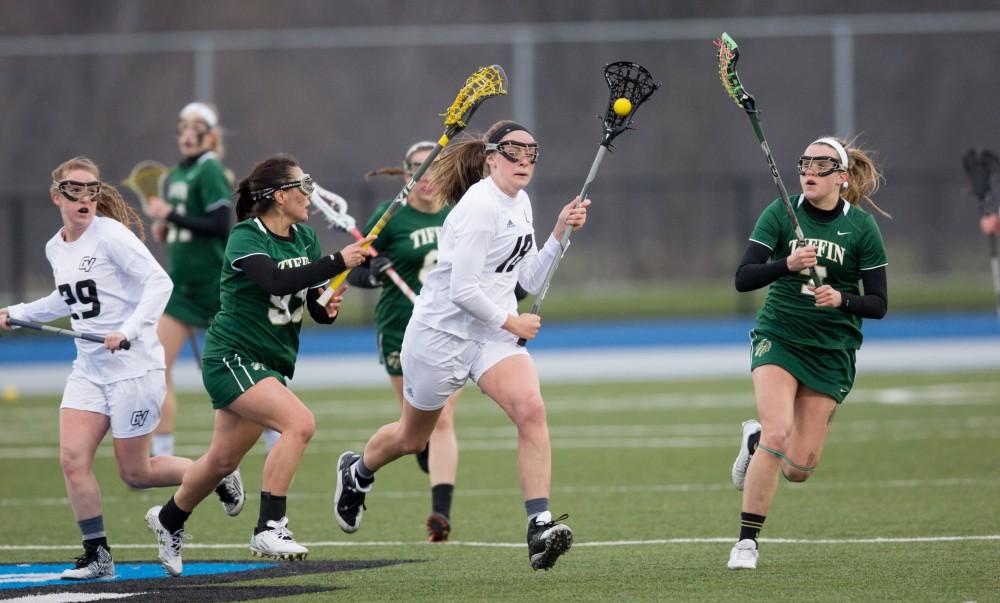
750	525
92	544
441	499
272	508
173	517
752	441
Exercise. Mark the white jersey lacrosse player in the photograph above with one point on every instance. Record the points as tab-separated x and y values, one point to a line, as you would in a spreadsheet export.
108	281
465	325
468	296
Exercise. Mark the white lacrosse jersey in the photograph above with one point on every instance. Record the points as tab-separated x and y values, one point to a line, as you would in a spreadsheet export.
486	246
106	281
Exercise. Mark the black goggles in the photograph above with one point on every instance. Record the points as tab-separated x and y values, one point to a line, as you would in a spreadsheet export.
74	189
514	151
823	165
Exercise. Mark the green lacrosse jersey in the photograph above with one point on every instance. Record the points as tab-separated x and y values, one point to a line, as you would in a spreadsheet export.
845	247
410	241
195	189
262	327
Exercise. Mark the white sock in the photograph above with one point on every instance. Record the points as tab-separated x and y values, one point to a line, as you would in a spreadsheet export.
163	444
270	439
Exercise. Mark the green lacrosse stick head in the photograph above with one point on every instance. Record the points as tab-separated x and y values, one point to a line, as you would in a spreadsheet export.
728	54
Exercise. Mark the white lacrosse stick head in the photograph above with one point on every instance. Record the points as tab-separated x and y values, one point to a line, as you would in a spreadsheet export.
333	208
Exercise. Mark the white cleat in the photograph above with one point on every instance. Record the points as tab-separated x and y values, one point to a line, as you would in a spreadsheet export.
231	494
743	555
742	461
277	543
170	544
91	565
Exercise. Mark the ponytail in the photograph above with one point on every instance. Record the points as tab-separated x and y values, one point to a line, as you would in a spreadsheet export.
111	205
864	179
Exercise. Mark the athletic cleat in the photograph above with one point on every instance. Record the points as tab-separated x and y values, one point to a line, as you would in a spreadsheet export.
743	555
277	542
230	492
438	528
547	540
93	563
742	461
423	458
349	497
170	544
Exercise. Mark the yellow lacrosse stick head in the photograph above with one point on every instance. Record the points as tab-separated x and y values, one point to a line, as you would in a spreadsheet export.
481	85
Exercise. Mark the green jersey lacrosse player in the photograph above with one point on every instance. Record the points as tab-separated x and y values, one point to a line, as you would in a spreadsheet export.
274	271
194	222
803	346
408	245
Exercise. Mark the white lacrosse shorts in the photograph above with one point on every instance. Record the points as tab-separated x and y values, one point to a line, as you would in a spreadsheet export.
437	364
132	405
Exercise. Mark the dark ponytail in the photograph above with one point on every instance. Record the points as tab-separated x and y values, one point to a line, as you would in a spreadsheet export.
255	193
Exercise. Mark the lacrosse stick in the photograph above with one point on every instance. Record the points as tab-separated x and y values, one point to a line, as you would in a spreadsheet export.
67	332
146	180
729	53
483	84
333	208
629	85
980	167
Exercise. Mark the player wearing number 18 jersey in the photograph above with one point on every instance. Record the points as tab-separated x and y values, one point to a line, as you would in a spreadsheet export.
274	271
106	282
802	352
466	325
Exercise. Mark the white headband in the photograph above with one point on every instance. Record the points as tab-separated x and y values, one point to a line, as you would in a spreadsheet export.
423	145
833	142
203	112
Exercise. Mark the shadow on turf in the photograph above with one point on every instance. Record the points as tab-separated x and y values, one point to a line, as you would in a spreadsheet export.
210	588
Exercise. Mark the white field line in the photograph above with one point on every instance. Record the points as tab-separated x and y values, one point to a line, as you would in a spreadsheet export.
654	541
955	482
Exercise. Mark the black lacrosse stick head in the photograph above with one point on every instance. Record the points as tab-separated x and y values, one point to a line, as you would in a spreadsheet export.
632	82
980	167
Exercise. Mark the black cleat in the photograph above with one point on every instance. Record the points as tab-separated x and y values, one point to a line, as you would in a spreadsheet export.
349	497
547	540
438	528
423	458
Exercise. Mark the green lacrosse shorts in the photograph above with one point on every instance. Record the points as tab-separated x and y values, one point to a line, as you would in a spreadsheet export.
228	377
830	372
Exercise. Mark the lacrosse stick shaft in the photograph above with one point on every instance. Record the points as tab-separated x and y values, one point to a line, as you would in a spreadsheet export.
390	211
995	267
193	340
391	272
67	332
752	113
537	305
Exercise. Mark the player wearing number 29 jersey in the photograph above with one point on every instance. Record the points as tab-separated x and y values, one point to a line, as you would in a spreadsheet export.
106	281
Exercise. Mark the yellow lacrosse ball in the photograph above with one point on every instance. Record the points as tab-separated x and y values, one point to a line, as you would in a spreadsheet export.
622	107
10	393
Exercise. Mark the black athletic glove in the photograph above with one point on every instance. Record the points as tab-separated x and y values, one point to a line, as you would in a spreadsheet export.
377	268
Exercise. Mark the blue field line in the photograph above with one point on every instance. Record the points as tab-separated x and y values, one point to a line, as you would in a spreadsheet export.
574	335
34	575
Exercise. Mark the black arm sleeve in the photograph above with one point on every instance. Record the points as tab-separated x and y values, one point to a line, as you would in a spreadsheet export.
875	302
317	310
264	272
755	271
213	224
520	292
359	275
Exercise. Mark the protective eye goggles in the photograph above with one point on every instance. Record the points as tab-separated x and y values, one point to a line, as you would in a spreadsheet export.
514	151
199	128
823	165
74	190
305	184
